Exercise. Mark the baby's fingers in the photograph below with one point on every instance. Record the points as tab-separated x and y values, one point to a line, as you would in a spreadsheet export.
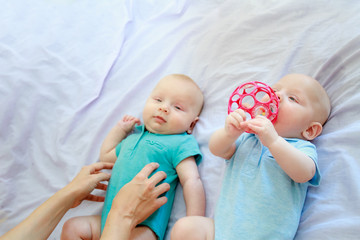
246	128
236	118
239	114
232	121
251	127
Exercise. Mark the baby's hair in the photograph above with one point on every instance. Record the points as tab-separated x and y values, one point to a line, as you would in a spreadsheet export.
324	105
189	79
185	77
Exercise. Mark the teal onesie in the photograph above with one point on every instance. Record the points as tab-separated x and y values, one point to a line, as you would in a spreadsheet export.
141	148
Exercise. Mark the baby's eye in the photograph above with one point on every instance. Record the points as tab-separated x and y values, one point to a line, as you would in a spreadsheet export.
293	99
158	99
178	107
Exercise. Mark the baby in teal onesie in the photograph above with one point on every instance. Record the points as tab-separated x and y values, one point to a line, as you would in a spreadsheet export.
269	167
169	116
143	147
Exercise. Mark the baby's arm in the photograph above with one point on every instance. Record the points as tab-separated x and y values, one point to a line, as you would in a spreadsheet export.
297	165
222	142
193	190
116	135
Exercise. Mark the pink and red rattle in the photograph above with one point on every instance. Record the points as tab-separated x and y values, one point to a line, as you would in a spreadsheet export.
255	98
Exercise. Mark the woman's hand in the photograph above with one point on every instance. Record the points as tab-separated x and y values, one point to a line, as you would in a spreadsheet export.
88	179
140	197
44	219
135	202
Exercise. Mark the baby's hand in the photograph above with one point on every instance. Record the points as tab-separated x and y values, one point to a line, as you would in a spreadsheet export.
262	127
234	123
128	122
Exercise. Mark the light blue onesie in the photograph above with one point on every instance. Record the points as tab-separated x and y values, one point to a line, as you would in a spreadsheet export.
258	199
141	148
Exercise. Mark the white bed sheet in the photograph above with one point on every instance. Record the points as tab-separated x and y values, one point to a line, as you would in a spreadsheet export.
70	69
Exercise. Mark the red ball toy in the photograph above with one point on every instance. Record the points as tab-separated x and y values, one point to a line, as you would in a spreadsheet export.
255	98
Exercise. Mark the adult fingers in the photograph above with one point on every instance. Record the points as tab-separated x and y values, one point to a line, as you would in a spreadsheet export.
96	167
157	177
101	176
101	186
95	198
147	170
162	188
160	201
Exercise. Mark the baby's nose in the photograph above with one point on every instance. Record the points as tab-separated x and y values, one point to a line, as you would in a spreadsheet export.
164	108
278	96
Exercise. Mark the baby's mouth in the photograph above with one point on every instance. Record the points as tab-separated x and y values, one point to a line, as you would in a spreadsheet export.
160	119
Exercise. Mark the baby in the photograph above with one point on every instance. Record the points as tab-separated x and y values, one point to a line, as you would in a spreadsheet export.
269	167
169	116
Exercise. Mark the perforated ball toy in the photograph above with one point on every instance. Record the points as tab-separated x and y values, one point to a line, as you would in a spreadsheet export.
255	98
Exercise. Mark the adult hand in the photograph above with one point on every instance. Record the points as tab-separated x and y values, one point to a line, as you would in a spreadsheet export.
135	202
88	179
140	197
44	219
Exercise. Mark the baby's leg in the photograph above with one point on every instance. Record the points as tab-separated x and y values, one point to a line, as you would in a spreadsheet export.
193	228
143	233
87	227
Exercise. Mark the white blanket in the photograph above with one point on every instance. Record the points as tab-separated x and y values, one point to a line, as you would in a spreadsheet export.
69	70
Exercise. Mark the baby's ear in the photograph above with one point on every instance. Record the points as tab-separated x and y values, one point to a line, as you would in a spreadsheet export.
312	131
192	125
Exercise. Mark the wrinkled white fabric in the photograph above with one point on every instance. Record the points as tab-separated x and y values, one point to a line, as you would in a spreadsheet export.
69	70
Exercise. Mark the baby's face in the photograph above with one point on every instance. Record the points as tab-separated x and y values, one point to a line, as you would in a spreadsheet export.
297	98
172	106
